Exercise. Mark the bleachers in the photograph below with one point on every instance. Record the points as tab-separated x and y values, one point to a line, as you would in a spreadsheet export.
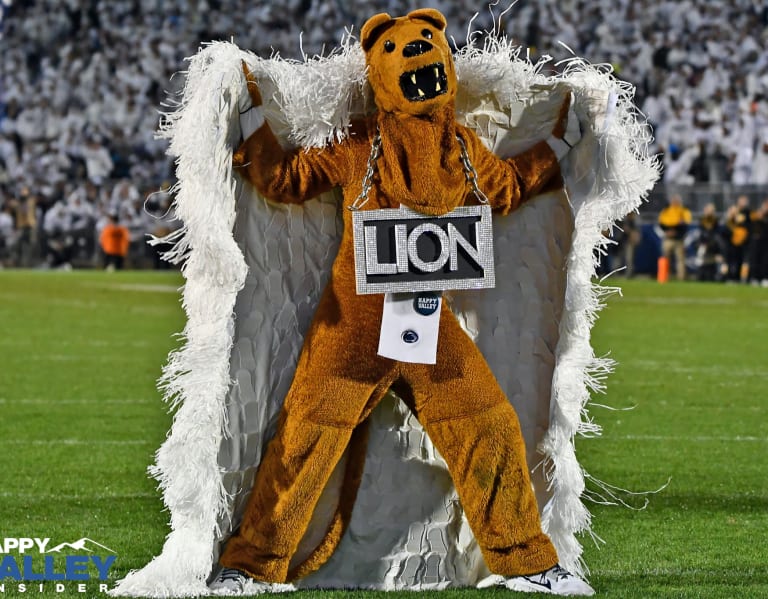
82	85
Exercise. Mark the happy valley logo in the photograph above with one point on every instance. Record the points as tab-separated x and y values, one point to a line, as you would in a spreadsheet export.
37	561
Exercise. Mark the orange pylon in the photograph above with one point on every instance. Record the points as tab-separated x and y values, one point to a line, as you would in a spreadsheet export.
662	271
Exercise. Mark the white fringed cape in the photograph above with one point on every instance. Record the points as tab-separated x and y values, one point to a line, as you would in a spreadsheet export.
254	272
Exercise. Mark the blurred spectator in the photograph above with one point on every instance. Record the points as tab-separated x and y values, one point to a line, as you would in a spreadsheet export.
98	162
7	235
123	194
674	221
9	156
136	221
758	246
81	206
24	208
738	221
677	165
59	242
114	240
760	167
158	206
709	254
741	143
621	254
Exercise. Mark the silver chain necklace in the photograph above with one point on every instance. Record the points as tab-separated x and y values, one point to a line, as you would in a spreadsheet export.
469	173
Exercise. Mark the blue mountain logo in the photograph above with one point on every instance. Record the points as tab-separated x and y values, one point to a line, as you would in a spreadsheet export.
83	544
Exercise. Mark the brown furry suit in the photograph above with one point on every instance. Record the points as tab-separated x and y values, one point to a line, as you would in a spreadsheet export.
340	377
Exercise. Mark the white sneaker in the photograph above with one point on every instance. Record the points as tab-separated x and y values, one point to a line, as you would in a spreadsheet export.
555	581
230	581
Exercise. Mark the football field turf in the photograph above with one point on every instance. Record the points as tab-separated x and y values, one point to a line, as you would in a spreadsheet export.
80	353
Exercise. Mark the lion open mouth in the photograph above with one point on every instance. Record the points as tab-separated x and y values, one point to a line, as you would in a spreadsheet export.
424	83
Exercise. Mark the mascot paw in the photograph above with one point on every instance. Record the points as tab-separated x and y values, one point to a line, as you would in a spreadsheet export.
251	85
567	130
249	103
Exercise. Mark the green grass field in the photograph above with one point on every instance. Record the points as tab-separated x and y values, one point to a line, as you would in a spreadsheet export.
81	418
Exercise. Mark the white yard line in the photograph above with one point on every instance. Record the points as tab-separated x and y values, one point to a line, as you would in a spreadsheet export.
56	301
44	496
35	401
147	288
29	343
83	357
77	442
704	301
662	572
705	369
696	439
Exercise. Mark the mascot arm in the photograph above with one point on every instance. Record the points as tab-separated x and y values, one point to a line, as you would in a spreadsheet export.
509	183
290	177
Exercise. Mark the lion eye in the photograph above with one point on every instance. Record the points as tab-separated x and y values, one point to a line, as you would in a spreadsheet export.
426	33
389	46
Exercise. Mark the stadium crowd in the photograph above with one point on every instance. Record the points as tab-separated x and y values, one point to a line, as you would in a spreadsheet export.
84	82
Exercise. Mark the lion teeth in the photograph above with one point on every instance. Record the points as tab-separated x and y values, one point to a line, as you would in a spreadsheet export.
413	78
421	93
437	87
437	75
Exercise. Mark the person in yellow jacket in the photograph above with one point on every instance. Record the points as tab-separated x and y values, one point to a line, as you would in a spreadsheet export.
674	221
739	223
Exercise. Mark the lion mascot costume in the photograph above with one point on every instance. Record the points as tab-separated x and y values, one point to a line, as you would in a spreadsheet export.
324	439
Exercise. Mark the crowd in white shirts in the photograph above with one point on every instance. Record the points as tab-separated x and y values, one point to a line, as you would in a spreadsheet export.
83	82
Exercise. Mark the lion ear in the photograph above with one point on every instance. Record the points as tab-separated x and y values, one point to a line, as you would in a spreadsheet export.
373	28
435	17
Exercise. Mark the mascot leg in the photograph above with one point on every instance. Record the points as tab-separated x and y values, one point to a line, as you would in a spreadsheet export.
321	411
476	430
293	473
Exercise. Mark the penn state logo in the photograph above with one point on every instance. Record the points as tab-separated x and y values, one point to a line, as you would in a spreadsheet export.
405	251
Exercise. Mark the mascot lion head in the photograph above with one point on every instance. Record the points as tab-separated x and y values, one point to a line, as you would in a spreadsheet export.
410	67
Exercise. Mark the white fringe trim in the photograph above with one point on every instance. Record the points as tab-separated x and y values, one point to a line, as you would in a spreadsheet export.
196	378
624	175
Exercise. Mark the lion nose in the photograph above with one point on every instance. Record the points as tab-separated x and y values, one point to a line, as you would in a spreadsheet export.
416	48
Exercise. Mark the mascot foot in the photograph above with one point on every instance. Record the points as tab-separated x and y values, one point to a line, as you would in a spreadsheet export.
555	581
230	581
